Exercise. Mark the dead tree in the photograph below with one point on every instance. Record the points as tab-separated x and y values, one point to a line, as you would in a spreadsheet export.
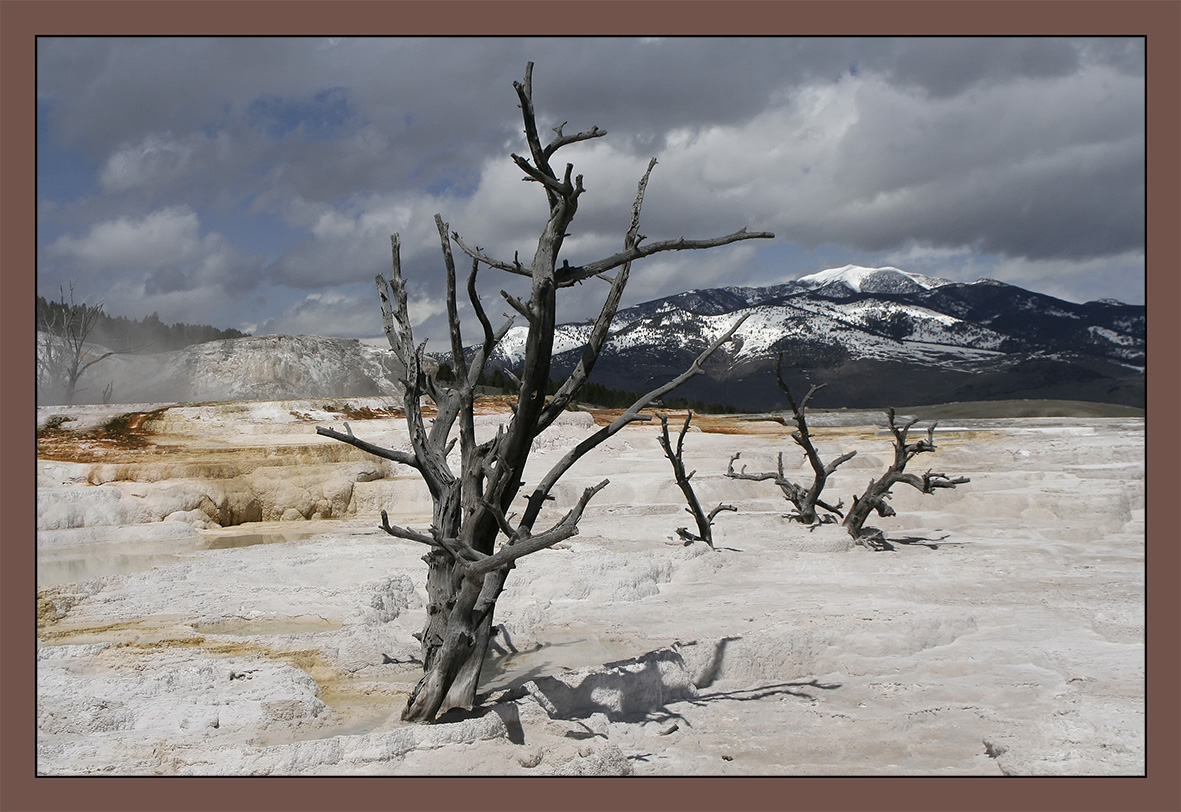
875	496
806	500
704	521
63	355
466	567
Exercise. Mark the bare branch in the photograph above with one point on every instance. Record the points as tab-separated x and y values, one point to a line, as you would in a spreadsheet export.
681	436
630	416
787	390
400	457
537	175
478	306
514	267
407	533
435	540
719	509
578	273
525	94
564	140
564	529
509	531
832	466
931	481
491	339
395	318
508	373
432	464
517	305
89	364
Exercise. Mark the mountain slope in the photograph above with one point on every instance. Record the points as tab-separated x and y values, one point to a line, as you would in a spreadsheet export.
875	336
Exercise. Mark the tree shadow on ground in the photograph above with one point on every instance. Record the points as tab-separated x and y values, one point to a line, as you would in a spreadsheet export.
632	691
500	662
714	669
585	733
920	541
664	714
716	549
762	692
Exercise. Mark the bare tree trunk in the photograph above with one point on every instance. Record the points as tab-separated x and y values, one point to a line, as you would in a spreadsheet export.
466	571
873	500
704	521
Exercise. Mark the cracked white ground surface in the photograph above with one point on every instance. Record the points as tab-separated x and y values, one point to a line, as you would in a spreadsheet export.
1004	634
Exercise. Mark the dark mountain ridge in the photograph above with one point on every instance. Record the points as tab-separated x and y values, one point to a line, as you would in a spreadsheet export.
875	337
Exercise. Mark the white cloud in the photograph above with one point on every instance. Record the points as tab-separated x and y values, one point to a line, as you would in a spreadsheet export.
375	216
856	162
152	160
163	237
350	242
162	261
331	313
943	156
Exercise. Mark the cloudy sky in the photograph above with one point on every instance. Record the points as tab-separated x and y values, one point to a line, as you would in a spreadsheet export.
254	183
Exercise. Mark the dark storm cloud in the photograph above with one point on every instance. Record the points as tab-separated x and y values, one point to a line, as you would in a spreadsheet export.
423	109
947	66
1023	150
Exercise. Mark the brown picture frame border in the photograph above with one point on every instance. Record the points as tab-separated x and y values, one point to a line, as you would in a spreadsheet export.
21	21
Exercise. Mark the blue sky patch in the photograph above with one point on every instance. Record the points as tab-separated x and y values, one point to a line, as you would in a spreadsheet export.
322	116
62	173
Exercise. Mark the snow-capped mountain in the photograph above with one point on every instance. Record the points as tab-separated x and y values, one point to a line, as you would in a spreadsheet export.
876	336
858	279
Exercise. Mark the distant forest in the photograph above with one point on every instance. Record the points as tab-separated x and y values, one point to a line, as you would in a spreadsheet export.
149	334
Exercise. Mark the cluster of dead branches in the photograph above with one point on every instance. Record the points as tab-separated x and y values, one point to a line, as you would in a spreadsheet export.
873	500
807	500
475	537
478	529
